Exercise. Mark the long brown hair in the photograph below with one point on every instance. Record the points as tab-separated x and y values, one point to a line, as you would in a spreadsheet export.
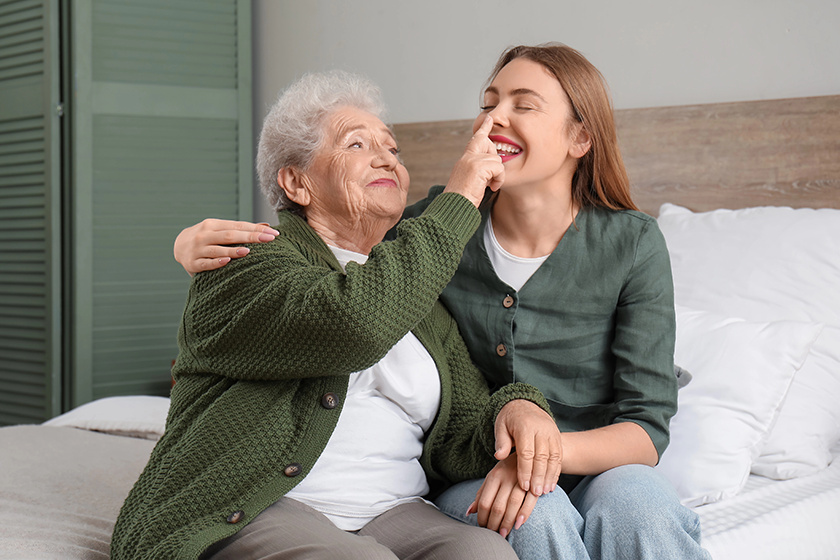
600	179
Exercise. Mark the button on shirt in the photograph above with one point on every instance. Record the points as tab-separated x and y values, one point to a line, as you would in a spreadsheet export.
371	462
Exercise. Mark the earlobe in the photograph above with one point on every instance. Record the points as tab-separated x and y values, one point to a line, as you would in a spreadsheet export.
291	181
581	144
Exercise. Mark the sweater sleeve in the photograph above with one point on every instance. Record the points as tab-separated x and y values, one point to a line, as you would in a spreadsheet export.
286	312
645	385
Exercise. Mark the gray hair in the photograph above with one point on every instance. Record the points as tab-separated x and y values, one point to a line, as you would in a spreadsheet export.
294	128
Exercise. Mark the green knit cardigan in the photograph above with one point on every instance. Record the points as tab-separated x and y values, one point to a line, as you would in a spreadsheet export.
267	344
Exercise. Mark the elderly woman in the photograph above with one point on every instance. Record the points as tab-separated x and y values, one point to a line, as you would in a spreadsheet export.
321	388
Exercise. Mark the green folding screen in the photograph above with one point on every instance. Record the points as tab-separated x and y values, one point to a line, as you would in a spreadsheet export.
161	139
30	266
154	135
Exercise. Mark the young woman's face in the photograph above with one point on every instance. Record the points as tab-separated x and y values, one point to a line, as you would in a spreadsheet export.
533	127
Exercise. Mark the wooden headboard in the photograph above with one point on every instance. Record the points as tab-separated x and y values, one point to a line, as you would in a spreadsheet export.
782	152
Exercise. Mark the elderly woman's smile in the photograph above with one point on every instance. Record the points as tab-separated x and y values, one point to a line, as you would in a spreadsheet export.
355	189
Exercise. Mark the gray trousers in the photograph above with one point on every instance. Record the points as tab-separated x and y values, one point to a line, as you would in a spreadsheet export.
289	529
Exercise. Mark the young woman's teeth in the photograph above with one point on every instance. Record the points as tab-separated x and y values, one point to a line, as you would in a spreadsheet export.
506	149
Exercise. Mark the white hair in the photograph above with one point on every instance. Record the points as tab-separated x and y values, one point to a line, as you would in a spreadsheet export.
294	128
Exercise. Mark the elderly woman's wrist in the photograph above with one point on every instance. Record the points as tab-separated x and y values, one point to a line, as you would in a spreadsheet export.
502	397
515	391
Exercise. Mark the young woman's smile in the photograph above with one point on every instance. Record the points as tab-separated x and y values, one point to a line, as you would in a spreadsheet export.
507	148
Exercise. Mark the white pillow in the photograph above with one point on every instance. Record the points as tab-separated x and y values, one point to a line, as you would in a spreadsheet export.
763	264
741	373
809	423
770	264
136	416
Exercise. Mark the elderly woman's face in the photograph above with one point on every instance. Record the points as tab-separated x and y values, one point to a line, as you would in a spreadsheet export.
356	179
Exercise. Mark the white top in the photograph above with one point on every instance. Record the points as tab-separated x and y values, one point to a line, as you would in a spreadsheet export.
372	460
512	270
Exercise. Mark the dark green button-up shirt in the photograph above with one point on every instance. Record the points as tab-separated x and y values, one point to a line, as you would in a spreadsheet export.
593	328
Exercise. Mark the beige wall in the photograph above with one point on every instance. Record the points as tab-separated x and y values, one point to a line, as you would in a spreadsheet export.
431	57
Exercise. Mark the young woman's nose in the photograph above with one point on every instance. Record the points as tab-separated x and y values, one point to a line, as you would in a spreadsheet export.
499	114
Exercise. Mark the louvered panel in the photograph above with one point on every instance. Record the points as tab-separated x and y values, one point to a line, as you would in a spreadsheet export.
23	328
14	149
15	137
141	168
26	224
17	6
35	322
21	40
15	16
27	33
139	335
162	103
135	42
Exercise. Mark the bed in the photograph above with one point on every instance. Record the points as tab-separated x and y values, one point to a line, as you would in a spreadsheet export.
748	198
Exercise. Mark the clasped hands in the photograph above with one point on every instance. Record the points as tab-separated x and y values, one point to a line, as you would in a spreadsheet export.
510	491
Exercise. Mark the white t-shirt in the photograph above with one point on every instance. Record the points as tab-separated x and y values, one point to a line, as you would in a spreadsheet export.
372	460
512	270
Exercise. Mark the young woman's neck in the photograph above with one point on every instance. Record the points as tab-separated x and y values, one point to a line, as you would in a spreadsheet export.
530	223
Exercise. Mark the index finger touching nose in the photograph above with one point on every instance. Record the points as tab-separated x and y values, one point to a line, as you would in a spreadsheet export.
480	142
485	127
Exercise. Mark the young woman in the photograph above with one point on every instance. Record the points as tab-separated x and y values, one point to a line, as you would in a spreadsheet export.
565	286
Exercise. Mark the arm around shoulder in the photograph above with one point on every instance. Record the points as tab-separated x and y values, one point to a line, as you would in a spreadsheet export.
290	309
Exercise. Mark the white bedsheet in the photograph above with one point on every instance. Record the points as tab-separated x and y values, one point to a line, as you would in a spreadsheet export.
791	519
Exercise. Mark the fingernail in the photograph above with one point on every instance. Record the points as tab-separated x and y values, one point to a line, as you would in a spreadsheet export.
519	522
527	485
538	490
265	237
224	260
242	251
503	532
272	231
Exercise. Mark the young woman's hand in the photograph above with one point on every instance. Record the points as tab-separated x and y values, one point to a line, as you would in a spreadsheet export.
205	246
539	447
500	502
480	167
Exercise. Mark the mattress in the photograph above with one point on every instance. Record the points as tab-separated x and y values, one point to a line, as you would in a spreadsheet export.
61	490
772	519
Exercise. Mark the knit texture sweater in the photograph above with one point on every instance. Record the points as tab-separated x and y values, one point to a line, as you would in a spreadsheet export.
267	344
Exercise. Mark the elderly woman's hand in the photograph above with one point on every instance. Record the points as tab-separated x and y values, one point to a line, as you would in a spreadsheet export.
202	246
539	447
480	167
500	502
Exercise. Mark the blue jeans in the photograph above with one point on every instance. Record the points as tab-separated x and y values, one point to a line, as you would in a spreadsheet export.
629	512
